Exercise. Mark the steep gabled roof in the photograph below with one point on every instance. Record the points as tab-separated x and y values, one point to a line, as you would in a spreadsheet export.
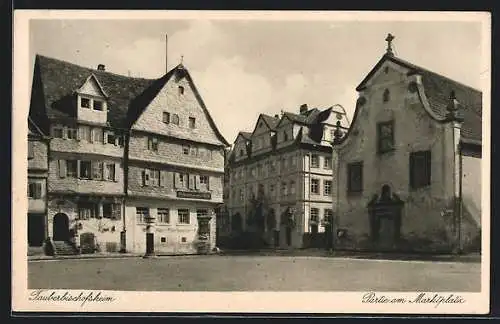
33	129
59	80
437	89
271	121
139	104
245	135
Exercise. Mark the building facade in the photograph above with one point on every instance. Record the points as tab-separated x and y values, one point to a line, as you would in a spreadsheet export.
409	168
111	155
38	146
280	177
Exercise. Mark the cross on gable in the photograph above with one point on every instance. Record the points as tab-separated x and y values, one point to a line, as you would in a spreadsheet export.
389	40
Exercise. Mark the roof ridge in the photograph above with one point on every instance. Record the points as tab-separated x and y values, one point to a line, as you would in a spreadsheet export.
91	70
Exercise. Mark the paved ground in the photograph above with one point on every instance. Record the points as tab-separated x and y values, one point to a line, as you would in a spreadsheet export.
253	273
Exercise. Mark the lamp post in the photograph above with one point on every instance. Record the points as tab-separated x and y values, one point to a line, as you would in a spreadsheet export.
337	137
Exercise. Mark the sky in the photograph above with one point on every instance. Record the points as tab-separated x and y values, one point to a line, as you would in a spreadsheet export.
246	67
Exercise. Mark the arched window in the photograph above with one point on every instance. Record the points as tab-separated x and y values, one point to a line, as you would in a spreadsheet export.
387	95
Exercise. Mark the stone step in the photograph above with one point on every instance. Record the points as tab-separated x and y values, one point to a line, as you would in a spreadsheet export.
64	248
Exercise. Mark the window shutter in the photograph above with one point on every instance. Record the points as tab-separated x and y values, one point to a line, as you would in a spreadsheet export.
31	153
197	182
163	178
117	167
146	177
38	190
62	168
412	171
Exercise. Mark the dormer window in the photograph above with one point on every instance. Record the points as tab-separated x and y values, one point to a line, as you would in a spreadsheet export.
98	105
85	103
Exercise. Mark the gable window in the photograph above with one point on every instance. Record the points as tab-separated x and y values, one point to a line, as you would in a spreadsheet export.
355	177
327	162
315	186
181	90
314	161
183	216
141	214
85	103
35	190
192	122
385	136
71	168
386	95
153	144
327	191
98	105
420	169
85	169
175	119
163	215
71	133
166	117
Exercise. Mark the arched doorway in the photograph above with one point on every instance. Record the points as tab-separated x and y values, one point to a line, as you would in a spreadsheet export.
60	227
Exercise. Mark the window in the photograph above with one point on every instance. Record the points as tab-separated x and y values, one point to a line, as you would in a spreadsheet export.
163	239
420	169
192	122
285	136
153	144
107	211
71	133
85	133
201	213
86	210
355	177
154	178
98	105
57	132
387	95
385	136
110	171
181	90
204	180
327	191
183	239
34	190
98	170
175	119
314	215
71	168
241	152
31	153
85	103
271	190
292	187
315	186
328	215
185	150
141	214
314	161
111	139
85	169
98	135
242	195
327	162
193	150
163	215
183	216
284	189
166	117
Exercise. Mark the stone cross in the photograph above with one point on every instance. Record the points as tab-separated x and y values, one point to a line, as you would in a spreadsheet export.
389	40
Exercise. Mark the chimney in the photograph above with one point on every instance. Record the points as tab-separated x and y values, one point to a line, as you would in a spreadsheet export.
101	67
303	109
166	53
